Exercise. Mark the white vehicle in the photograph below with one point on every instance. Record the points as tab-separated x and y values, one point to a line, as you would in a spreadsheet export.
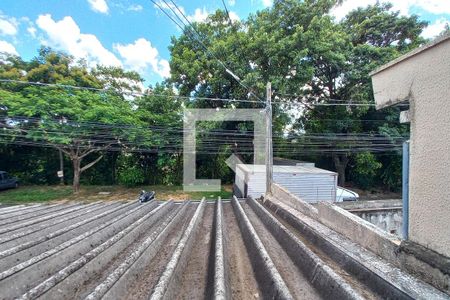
343	194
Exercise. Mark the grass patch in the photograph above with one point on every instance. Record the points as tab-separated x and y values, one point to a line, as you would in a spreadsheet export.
28	194
211	195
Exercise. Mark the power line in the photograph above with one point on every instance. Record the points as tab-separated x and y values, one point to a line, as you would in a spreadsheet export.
325	104
73	125
348	102
226	11
62	138
209	150
129	93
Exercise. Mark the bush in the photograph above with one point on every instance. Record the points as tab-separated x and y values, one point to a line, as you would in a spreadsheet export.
366	169
130	172
170	168
392	174
131	176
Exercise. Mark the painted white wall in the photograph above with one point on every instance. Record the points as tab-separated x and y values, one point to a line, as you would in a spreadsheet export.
309	183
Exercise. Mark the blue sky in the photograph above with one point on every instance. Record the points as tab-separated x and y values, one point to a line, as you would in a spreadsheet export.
134	33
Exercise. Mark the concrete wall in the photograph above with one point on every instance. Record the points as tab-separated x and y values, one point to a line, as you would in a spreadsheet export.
358	230
389	220
421	262
385	214
423	77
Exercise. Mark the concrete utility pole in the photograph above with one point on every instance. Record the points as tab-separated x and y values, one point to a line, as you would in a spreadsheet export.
269	150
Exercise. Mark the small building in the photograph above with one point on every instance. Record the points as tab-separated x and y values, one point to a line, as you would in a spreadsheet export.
421	79
279	161
305	181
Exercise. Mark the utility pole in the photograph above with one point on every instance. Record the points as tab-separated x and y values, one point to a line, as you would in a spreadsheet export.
269	150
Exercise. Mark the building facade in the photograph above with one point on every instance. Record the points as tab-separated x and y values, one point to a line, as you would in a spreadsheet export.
422	78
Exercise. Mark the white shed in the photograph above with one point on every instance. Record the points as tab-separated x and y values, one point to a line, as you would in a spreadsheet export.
307	182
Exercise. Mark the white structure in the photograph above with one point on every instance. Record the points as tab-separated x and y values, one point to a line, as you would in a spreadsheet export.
422	77
307	182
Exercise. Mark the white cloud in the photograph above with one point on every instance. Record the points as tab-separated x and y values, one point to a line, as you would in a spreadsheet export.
164	68
200	15
99	6
340	11
140	55
435	29
404	6
233	16
7	48
8	25
32	31
135	7
267	3
65	35
231	2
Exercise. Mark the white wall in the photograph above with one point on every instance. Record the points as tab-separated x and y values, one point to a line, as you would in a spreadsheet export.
310	187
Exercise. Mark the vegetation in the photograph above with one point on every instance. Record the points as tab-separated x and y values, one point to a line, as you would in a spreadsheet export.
39	193
42	193
111	132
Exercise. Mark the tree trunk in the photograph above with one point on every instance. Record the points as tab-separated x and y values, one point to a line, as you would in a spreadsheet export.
76	157
61	166
341	162
114	157
76	174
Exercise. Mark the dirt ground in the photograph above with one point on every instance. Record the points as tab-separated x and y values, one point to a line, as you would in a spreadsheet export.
114	193
376	194
64	194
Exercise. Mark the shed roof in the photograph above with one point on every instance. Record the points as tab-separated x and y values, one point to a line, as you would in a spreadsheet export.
284	169
280	161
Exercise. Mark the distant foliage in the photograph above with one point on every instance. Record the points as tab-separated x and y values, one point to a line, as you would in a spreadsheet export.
366	169
131	176
391	174
169	169
130	172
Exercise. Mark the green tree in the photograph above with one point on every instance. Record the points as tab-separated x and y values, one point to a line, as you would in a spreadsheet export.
80	123
161	109
264	48
366	169
343	55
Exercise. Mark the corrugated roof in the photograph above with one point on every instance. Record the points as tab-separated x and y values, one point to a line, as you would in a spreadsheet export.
189	250
284	169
